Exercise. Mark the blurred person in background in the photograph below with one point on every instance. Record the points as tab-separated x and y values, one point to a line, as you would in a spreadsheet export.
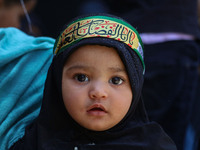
192	140
170	33
54	15
16	13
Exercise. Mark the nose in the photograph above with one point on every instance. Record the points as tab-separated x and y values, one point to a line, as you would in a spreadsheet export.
98	90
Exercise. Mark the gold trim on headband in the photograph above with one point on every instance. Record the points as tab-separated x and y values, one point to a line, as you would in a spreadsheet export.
100	26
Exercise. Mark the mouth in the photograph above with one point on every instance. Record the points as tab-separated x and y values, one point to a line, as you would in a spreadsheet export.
96	110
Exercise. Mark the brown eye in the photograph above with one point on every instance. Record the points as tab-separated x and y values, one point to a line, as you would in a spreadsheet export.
116	80
81	78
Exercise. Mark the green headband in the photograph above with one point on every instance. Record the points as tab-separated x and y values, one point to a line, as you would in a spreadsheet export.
100	26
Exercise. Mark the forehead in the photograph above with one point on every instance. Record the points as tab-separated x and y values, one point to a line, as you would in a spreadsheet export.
94	53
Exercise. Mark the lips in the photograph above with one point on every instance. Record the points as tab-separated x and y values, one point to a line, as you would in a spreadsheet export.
96	110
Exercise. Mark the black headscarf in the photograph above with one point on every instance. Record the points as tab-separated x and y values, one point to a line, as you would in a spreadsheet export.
54	129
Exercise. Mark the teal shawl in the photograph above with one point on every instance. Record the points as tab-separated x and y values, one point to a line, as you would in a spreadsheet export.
24	62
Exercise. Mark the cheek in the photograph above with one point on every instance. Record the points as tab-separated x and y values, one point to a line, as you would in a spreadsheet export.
71	96
129	99
69	100
74	103
126	103
67	94
123	103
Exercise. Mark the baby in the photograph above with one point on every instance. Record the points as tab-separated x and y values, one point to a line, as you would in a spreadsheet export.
92	96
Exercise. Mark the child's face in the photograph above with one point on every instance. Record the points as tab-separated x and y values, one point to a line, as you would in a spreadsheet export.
95	87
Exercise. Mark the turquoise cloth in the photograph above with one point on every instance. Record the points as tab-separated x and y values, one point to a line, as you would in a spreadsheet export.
24	62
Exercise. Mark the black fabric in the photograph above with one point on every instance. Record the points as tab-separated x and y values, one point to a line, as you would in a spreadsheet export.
54	129
145	15
173	66
158	16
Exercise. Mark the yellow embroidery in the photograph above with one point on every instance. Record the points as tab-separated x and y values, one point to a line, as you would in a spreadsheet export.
97	28
100	26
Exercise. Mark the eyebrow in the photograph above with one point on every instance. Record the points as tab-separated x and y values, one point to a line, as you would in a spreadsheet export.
77	67
117	69
113	69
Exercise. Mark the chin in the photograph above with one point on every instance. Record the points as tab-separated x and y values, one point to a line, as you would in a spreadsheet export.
98	128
